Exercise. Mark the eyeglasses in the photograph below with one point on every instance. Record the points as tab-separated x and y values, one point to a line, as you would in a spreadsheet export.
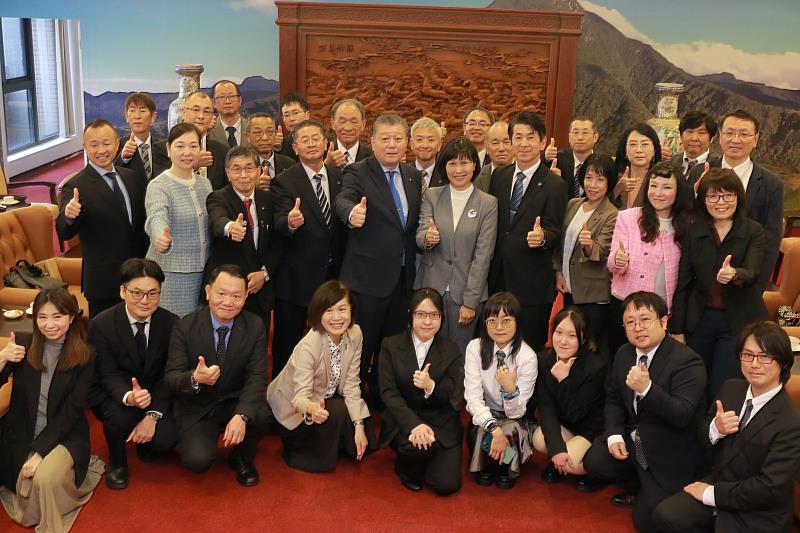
249	169
310	141
261	133
137	295
422	315
231	98
743	135
763	358
200	110
481	123
644	323
506	322
715	198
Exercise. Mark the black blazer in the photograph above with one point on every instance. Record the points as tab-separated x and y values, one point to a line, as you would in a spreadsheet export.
753	472
313	252
66	421
667	415
406	406
576	403
243	377
566	164
437	180
107	237
282	163
378	246
363	152
286	147
527	272
111	336
765	206
224	206
135	163
701	259
215	173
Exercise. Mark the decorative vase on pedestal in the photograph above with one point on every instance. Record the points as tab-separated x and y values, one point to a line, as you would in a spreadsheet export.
189	82
666	121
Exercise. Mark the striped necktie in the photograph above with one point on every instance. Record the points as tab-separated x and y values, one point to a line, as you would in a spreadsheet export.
322	199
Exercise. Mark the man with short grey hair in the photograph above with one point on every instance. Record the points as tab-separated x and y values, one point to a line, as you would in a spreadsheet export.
426	141
348	119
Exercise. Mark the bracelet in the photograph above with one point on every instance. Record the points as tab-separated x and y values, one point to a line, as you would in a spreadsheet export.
491	426
509	395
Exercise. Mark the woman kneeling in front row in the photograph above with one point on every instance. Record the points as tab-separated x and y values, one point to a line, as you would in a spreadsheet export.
422	386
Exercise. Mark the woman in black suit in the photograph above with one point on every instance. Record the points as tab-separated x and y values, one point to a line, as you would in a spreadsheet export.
569	396
422	385
46	472
716	295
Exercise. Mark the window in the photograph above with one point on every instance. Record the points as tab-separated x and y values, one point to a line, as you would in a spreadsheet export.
41	98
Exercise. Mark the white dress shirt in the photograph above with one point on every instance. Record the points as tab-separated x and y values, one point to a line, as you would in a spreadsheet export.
528	175
421	349
744	170
613	439
237	133
351	153
428	172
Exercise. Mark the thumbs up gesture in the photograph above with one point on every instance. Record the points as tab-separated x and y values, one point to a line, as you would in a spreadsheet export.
422	379
621	257
628	180
12	353
130	147
560	369
237	230
726	272
432	235
264	179
551	152
585	239
666	151
536	235
279	137
138	396
443	128
206	375
358	216
295	218
554	167
706	168
638	378
163	241
318	412
334	157
726	421
73	208
205	159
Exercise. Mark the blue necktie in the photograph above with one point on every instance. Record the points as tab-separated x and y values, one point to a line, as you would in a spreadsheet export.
516	195
396	197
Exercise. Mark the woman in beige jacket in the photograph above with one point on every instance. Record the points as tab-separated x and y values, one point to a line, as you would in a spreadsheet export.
316	399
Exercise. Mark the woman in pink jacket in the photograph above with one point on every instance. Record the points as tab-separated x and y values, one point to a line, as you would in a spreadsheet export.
644	249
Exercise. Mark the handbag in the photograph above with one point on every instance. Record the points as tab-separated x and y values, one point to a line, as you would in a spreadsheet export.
27	276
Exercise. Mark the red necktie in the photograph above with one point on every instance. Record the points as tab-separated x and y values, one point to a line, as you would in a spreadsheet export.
247	203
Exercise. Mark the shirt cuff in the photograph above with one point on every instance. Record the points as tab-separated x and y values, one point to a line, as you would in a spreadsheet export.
226	228
708	496
159	413
428	394
644	393
713	433
614	439
125	399
266	274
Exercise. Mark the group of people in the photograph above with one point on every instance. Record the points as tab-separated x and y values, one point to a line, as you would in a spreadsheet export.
415	289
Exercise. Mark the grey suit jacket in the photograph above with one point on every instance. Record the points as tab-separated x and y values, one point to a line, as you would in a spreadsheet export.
219	134
305	377
462	257
590	281
484	178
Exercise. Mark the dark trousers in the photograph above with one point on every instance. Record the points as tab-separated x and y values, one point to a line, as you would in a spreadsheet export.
438	467
118	422
198	443
681	513
380	317
629	475
290	326
98	305
534	321
714	341
616	331
596	315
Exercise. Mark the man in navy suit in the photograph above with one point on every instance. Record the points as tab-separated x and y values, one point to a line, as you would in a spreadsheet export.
380	201
738	138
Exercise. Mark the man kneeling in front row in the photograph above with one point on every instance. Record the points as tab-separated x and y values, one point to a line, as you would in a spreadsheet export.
217	369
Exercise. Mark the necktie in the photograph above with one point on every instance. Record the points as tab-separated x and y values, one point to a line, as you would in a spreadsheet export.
516	195
140	339
231	136
322	199
642	360
748	408
576	182
398	203
501	358
144	153
637	442
425	181
270	170
689	164
346	158
222	332
118	193
247	203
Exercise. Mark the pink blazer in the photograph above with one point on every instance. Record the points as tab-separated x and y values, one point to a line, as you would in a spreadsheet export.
645	257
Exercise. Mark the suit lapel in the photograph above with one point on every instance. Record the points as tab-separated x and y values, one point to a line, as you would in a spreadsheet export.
236	206
107	195
125	333
755	187
444	214
534	187
382	183
413	191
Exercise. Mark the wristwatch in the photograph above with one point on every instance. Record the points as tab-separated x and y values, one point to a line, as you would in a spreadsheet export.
491	427
245	418
155	415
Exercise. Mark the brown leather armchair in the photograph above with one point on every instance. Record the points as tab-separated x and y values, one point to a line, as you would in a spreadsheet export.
788	292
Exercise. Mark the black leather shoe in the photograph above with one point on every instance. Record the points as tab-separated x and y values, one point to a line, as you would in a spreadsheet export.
551	475
589	484
117	478
485	477
246	473
504	481
626	500
411	485
146	454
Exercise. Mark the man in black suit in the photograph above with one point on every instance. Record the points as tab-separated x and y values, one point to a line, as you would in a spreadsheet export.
240	221
426	141
738	138
697	129
583	136
477	121
755	446
380	201
198	110
217	369
294	110
654	400
261	137
531	202
137	152
130	396
104	206
348	118
313	237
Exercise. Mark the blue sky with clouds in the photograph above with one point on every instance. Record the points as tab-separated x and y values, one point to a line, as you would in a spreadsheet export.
135	45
